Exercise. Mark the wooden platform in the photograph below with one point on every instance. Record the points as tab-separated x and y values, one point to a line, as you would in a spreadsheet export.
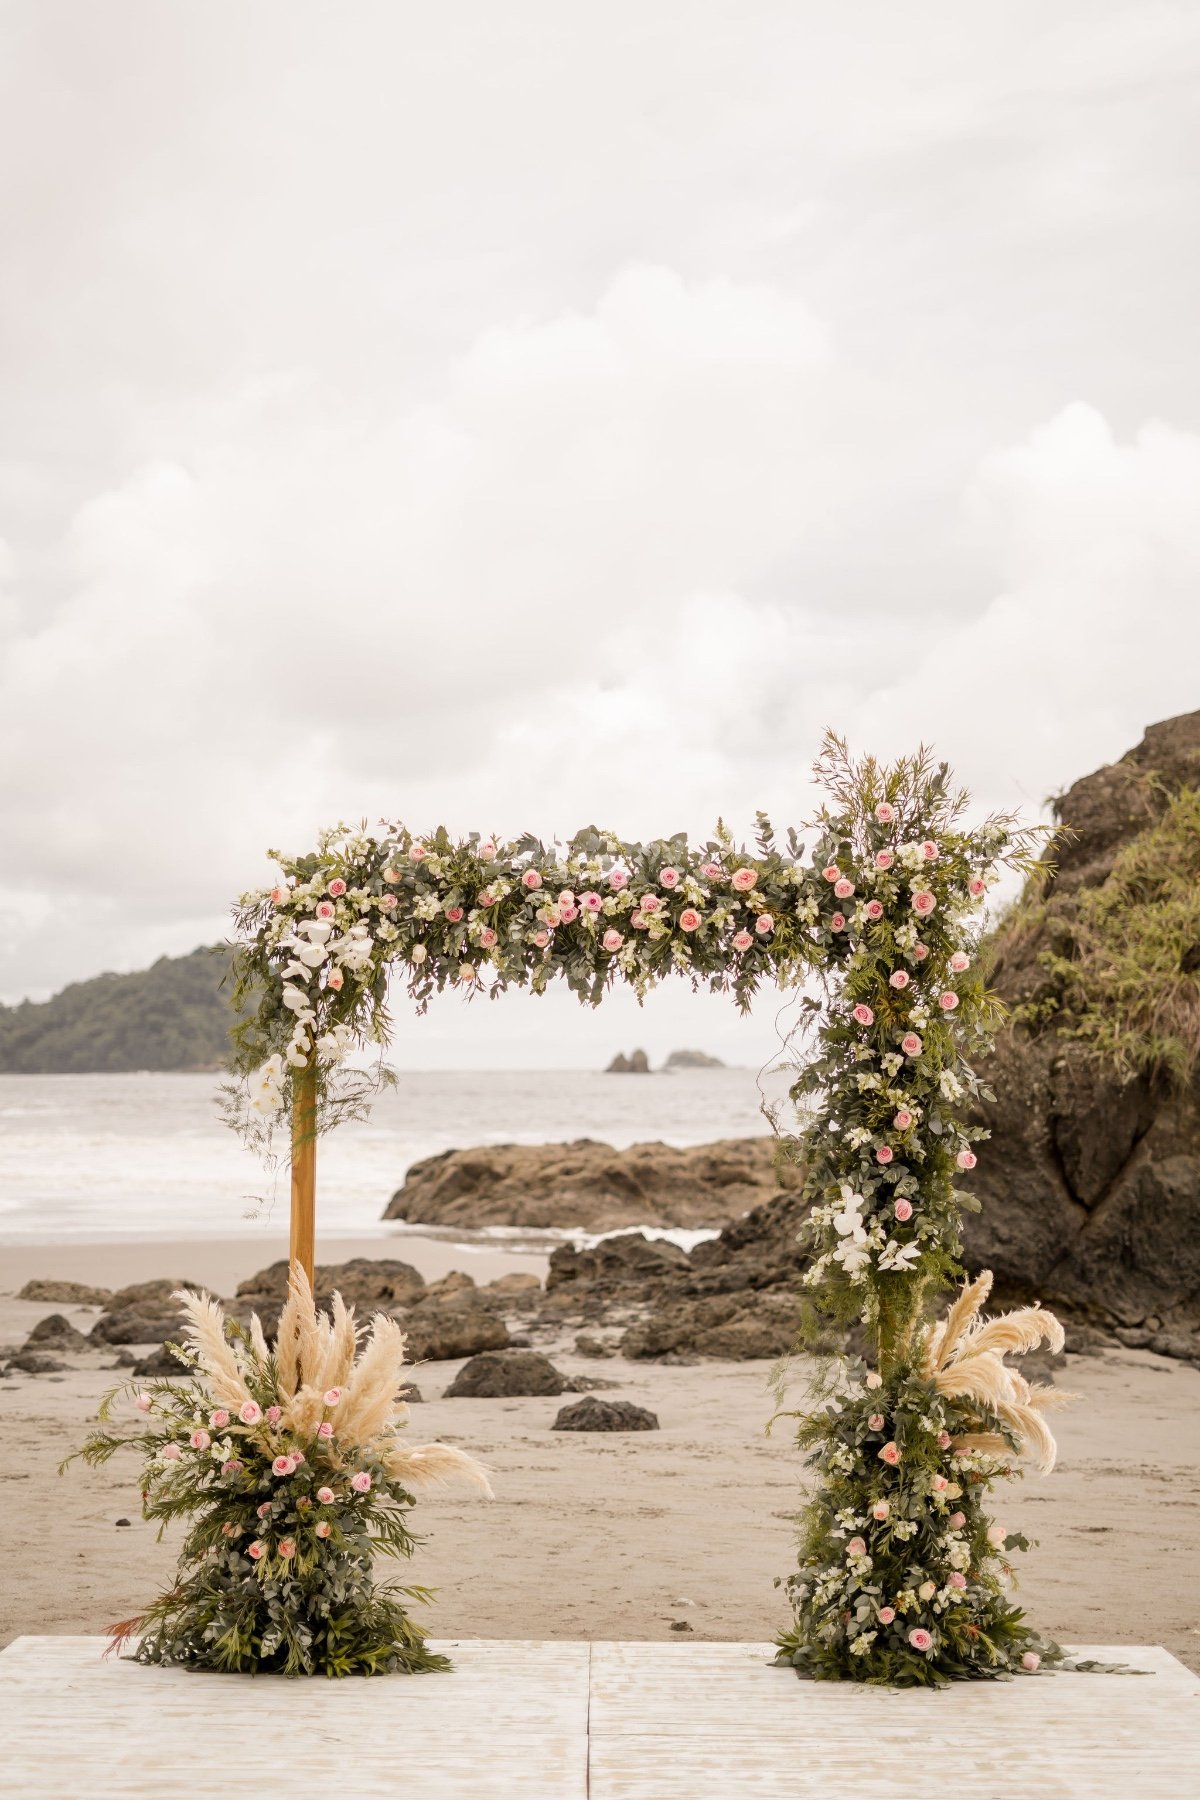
568	1721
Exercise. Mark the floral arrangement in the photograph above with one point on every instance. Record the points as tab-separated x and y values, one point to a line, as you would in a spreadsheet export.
291	1466
902	1577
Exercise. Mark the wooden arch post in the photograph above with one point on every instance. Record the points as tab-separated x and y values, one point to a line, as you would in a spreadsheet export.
304	1172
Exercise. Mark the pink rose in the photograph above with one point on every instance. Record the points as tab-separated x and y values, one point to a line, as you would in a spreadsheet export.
326	1496
612	940
590	902
919	1638
287	1547
966	1159
200	1440
863	1014
322	1528
618	878
956	1521
832	872
764	924
948	1001
639	921
390	874
885	812
361	1483
487	851
911	1044
334	980
454	914
256	1550
274	1414
170	1452
326	910
143	1402
264	1509
297	1459
884	859
336	888
838	922
711	871
566	897
923	902
668	878
940	1484
856	1547
650	903
977	887
876	1421
531	879
689	919
487	898
886	1614
417	853
943	1440
388	902
884	1154
929	850
279	896
903	1211
541	939
920	952
466	972
232	1467
742	940
250	1412
956	1579
997	1536
1031	1661
881	1509
567	913
899	978
890	1454
903	1119
959	962
744	879
325	1429
873	1378
874	909
843	888
283	1465
487	938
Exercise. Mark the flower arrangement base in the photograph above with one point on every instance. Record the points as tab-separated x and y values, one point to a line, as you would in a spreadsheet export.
290	1466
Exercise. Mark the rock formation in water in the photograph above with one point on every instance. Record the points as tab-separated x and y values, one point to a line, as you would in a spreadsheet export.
637	1063
588	1184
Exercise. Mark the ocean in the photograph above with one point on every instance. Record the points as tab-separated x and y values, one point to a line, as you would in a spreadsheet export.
96	1157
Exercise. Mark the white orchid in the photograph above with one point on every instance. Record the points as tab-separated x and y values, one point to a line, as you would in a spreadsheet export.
898	1259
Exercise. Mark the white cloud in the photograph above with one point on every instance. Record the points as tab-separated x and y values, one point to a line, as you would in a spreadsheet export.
558	436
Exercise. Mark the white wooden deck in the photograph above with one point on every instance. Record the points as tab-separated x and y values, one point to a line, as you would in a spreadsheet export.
576	1721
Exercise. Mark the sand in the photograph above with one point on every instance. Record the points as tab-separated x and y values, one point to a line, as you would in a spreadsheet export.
610	1536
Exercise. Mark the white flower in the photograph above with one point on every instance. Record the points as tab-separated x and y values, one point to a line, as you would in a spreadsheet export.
898	1259
298	1002
417	955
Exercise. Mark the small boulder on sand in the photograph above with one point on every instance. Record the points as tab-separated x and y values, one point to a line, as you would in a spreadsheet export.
55	1333
590	1414
500	1374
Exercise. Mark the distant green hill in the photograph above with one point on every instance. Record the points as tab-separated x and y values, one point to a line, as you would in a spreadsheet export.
174	1015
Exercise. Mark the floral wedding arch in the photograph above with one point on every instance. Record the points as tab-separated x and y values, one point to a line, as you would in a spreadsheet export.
902	1576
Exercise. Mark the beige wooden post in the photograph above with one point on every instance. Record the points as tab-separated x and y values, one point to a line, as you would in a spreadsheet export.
304	1171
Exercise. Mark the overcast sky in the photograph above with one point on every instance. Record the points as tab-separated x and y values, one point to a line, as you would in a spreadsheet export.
529	415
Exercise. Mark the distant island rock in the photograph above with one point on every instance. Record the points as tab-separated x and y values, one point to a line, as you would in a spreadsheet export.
174	1015
692	1059
588	1185
636	1064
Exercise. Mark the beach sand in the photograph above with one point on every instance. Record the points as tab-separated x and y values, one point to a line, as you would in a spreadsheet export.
609	1536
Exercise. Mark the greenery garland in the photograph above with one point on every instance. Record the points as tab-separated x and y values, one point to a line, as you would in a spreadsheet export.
902	1577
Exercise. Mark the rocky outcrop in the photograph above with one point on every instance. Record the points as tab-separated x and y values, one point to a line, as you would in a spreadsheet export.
367	1282
55	1333
442	1333
692	1059
65	1293
588	1185
638	1063
1091	1181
